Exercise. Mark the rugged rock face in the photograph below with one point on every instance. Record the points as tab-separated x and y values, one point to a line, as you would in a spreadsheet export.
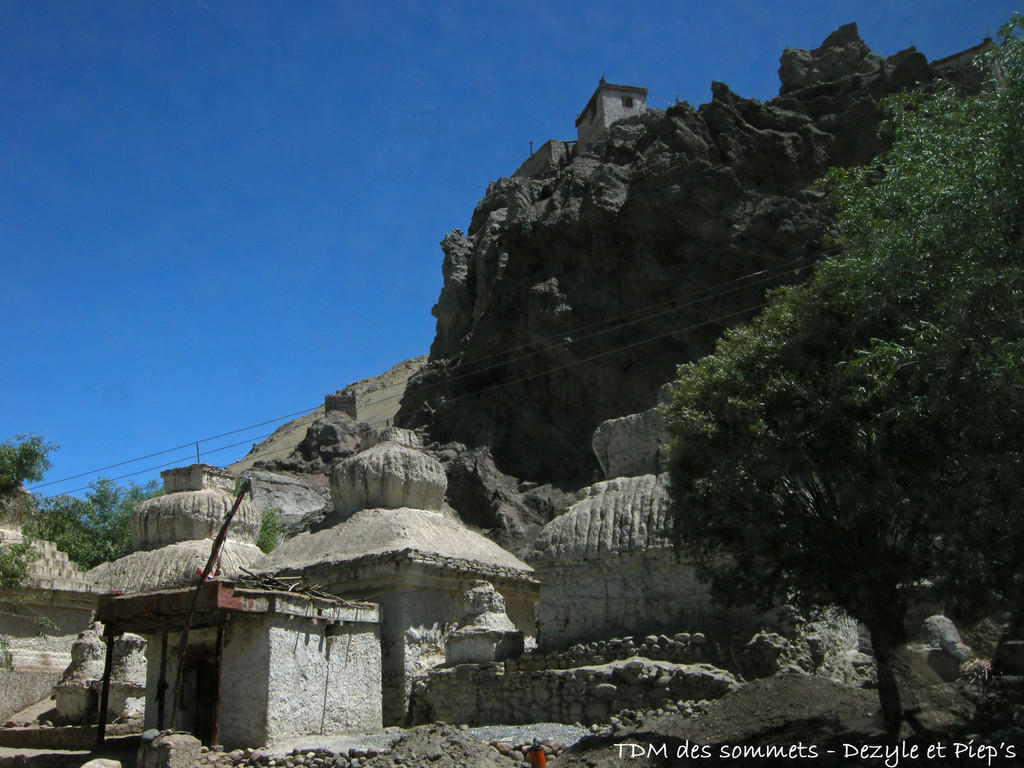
575	293
290	468
632	445
294	497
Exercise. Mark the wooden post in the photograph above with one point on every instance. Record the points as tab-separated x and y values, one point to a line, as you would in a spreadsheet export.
218	655
105	690
214	555
161	683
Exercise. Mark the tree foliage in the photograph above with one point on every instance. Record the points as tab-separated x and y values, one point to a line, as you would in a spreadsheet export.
15	559
271	530
95	529
865	435
22	458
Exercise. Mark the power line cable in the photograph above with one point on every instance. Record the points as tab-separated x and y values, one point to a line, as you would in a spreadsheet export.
695	297
570	337
763	276
607	352
171	450
491	388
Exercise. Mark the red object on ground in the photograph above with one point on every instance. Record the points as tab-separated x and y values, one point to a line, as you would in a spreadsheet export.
537	757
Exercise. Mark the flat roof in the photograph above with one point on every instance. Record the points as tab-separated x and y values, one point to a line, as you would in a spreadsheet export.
168	609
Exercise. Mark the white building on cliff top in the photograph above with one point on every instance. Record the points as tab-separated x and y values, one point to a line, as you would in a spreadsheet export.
608	104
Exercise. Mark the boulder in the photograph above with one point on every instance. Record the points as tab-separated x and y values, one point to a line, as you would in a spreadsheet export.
632	445
292	495
170	750
939	631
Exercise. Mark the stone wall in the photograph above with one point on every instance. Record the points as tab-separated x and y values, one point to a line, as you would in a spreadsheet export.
282	676
39	622
479	694
680	648
551	154
634	593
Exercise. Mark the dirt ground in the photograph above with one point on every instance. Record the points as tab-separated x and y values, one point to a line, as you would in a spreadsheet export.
788	720
797	720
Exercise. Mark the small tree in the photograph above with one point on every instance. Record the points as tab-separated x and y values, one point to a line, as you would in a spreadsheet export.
865	435
22	458
271	530
95	529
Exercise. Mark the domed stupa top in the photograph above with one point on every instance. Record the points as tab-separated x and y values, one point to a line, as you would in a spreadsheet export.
390	474
389	498
172	535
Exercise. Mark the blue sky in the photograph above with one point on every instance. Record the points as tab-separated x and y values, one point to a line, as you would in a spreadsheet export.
214	213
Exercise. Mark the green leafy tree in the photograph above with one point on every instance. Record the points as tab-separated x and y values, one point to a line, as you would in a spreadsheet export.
271	530
21	458
865	435
95	529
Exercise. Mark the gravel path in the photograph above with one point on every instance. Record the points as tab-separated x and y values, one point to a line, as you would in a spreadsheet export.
569	734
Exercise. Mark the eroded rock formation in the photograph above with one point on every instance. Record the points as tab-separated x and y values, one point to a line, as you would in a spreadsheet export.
575	293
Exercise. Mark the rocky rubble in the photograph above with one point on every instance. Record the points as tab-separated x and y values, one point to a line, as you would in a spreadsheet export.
681	648
435	745
298	758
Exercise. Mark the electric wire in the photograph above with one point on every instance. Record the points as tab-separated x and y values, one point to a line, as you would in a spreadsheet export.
499	385
171	450
567	337
713	292
763	276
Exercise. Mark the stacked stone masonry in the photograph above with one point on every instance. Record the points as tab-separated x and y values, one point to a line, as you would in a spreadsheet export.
501	693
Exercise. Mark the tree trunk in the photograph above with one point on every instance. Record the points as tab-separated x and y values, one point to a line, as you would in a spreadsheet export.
887	636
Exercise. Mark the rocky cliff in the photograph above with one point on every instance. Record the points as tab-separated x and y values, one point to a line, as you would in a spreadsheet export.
576	292
289	469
